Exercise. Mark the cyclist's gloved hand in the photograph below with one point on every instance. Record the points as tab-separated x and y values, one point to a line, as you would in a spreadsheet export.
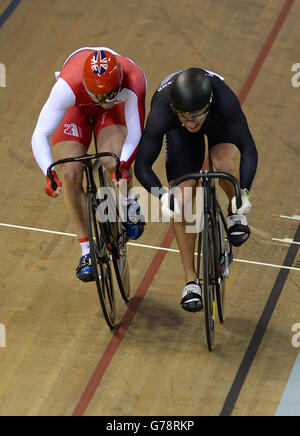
167	213
124	173
246	205
49	190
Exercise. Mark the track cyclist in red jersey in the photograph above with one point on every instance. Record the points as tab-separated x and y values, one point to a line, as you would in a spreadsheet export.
96	87
187	106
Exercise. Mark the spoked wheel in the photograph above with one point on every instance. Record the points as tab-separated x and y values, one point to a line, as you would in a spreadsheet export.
118	238
222	262
209	282
101	263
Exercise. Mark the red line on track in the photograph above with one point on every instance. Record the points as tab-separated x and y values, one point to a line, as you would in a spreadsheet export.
124	326
148	278
265	50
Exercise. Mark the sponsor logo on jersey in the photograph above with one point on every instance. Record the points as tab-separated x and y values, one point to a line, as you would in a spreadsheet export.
73	130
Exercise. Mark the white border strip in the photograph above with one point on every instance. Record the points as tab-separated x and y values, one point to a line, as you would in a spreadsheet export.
37	230
134	244
294	217
286	241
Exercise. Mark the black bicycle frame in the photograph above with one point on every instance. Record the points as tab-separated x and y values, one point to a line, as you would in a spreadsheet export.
210	203
89	168
205	176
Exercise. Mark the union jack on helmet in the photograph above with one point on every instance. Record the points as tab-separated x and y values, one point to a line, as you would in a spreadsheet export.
102	73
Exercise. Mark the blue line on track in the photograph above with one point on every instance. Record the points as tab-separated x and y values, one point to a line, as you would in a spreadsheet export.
290	401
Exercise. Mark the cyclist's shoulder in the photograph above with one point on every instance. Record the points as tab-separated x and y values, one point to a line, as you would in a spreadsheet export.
161	96
71	79
71	72
134	77
160	105
164	88
61	96
161	117
129	65
225	100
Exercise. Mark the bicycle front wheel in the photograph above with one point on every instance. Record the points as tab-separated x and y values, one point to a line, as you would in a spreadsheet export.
208	263
118	239
101	263
222	263
121	266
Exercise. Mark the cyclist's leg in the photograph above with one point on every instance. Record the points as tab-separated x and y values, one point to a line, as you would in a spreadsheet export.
111	139
192	296
111	132
72	139
224	157
185	154
74	195
186	241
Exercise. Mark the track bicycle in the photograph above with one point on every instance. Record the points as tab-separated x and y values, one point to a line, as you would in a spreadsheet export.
107	234
215	251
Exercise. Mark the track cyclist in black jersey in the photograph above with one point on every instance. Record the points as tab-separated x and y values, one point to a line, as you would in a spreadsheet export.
188	106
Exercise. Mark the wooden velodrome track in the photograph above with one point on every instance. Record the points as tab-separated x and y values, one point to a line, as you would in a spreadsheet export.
60	358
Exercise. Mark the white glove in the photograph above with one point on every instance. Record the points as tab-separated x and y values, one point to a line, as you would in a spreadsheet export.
167	213
246	205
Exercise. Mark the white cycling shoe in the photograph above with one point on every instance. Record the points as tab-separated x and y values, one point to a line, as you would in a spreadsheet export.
238	229
192	297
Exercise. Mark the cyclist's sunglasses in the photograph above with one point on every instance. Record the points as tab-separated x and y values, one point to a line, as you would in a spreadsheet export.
109	97
199	115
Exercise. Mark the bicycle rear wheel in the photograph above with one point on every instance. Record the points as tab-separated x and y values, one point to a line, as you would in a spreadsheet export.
101	262
208	264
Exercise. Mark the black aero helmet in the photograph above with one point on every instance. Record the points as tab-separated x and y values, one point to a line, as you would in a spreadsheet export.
191	91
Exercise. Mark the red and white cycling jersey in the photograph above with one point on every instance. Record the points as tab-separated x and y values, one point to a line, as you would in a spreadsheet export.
68	96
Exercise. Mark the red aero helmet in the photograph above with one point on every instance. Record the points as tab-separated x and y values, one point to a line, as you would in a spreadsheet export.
102	73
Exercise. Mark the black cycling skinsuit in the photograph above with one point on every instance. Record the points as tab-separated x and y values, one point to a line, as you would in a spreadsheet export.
185	151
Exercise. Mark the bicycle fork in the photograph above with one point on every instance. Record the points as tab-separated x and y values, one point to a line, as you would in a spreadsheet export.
226	258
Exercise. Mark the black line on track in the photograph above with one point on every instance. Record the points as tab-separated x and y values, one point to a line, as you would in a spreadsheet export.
8	11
